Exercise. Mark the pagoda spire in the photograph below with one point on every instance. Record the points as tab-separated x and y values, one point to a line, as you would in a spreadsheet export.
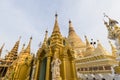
23	47
87	42
73	38
89	48
56	35
56	26
114	50
22	50
72	32
88	45
27	50
71	27
46	37
1	49
14	50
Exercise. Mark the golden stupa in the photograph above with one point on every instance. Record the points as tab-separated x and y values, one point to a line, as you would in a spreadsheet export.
59	58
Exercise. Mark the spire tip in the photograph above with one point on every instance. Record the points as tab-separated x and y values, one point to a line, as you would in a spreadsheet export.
56	15
46	31
31	37
19	38
70	21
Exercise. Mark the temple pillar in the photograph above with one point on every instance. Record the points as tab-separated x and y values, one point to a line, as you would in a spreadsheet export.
48	68
64	69
74	70
37	69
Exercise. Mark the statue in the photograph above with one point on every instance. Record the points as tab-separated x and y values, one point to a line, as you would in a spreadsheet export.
55	68
114	34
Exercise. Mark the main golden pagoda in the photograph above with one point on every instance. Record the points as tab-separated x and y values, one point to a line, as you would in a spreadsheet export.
59	46
93	61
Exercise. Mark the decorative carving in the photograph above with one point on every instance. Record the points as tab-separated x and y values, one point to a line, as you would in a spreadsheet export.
113	31
114	34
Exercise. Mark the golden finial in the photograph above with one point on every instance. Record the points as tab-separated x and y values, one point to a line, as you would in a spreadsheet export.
22	50
19	38
27	50
56	26
85	37
23	46
46	31
70	21
46	34
98	44
70	25
56	15
87	42
31	38
45	39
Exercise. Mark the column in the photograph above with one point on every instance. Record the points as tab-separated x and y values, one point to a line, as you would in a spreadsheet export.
64	68
48	68
74	70
37	69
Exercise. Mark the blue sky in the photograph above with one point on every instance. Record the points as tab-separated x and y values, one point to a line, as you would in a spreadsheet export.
32	17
